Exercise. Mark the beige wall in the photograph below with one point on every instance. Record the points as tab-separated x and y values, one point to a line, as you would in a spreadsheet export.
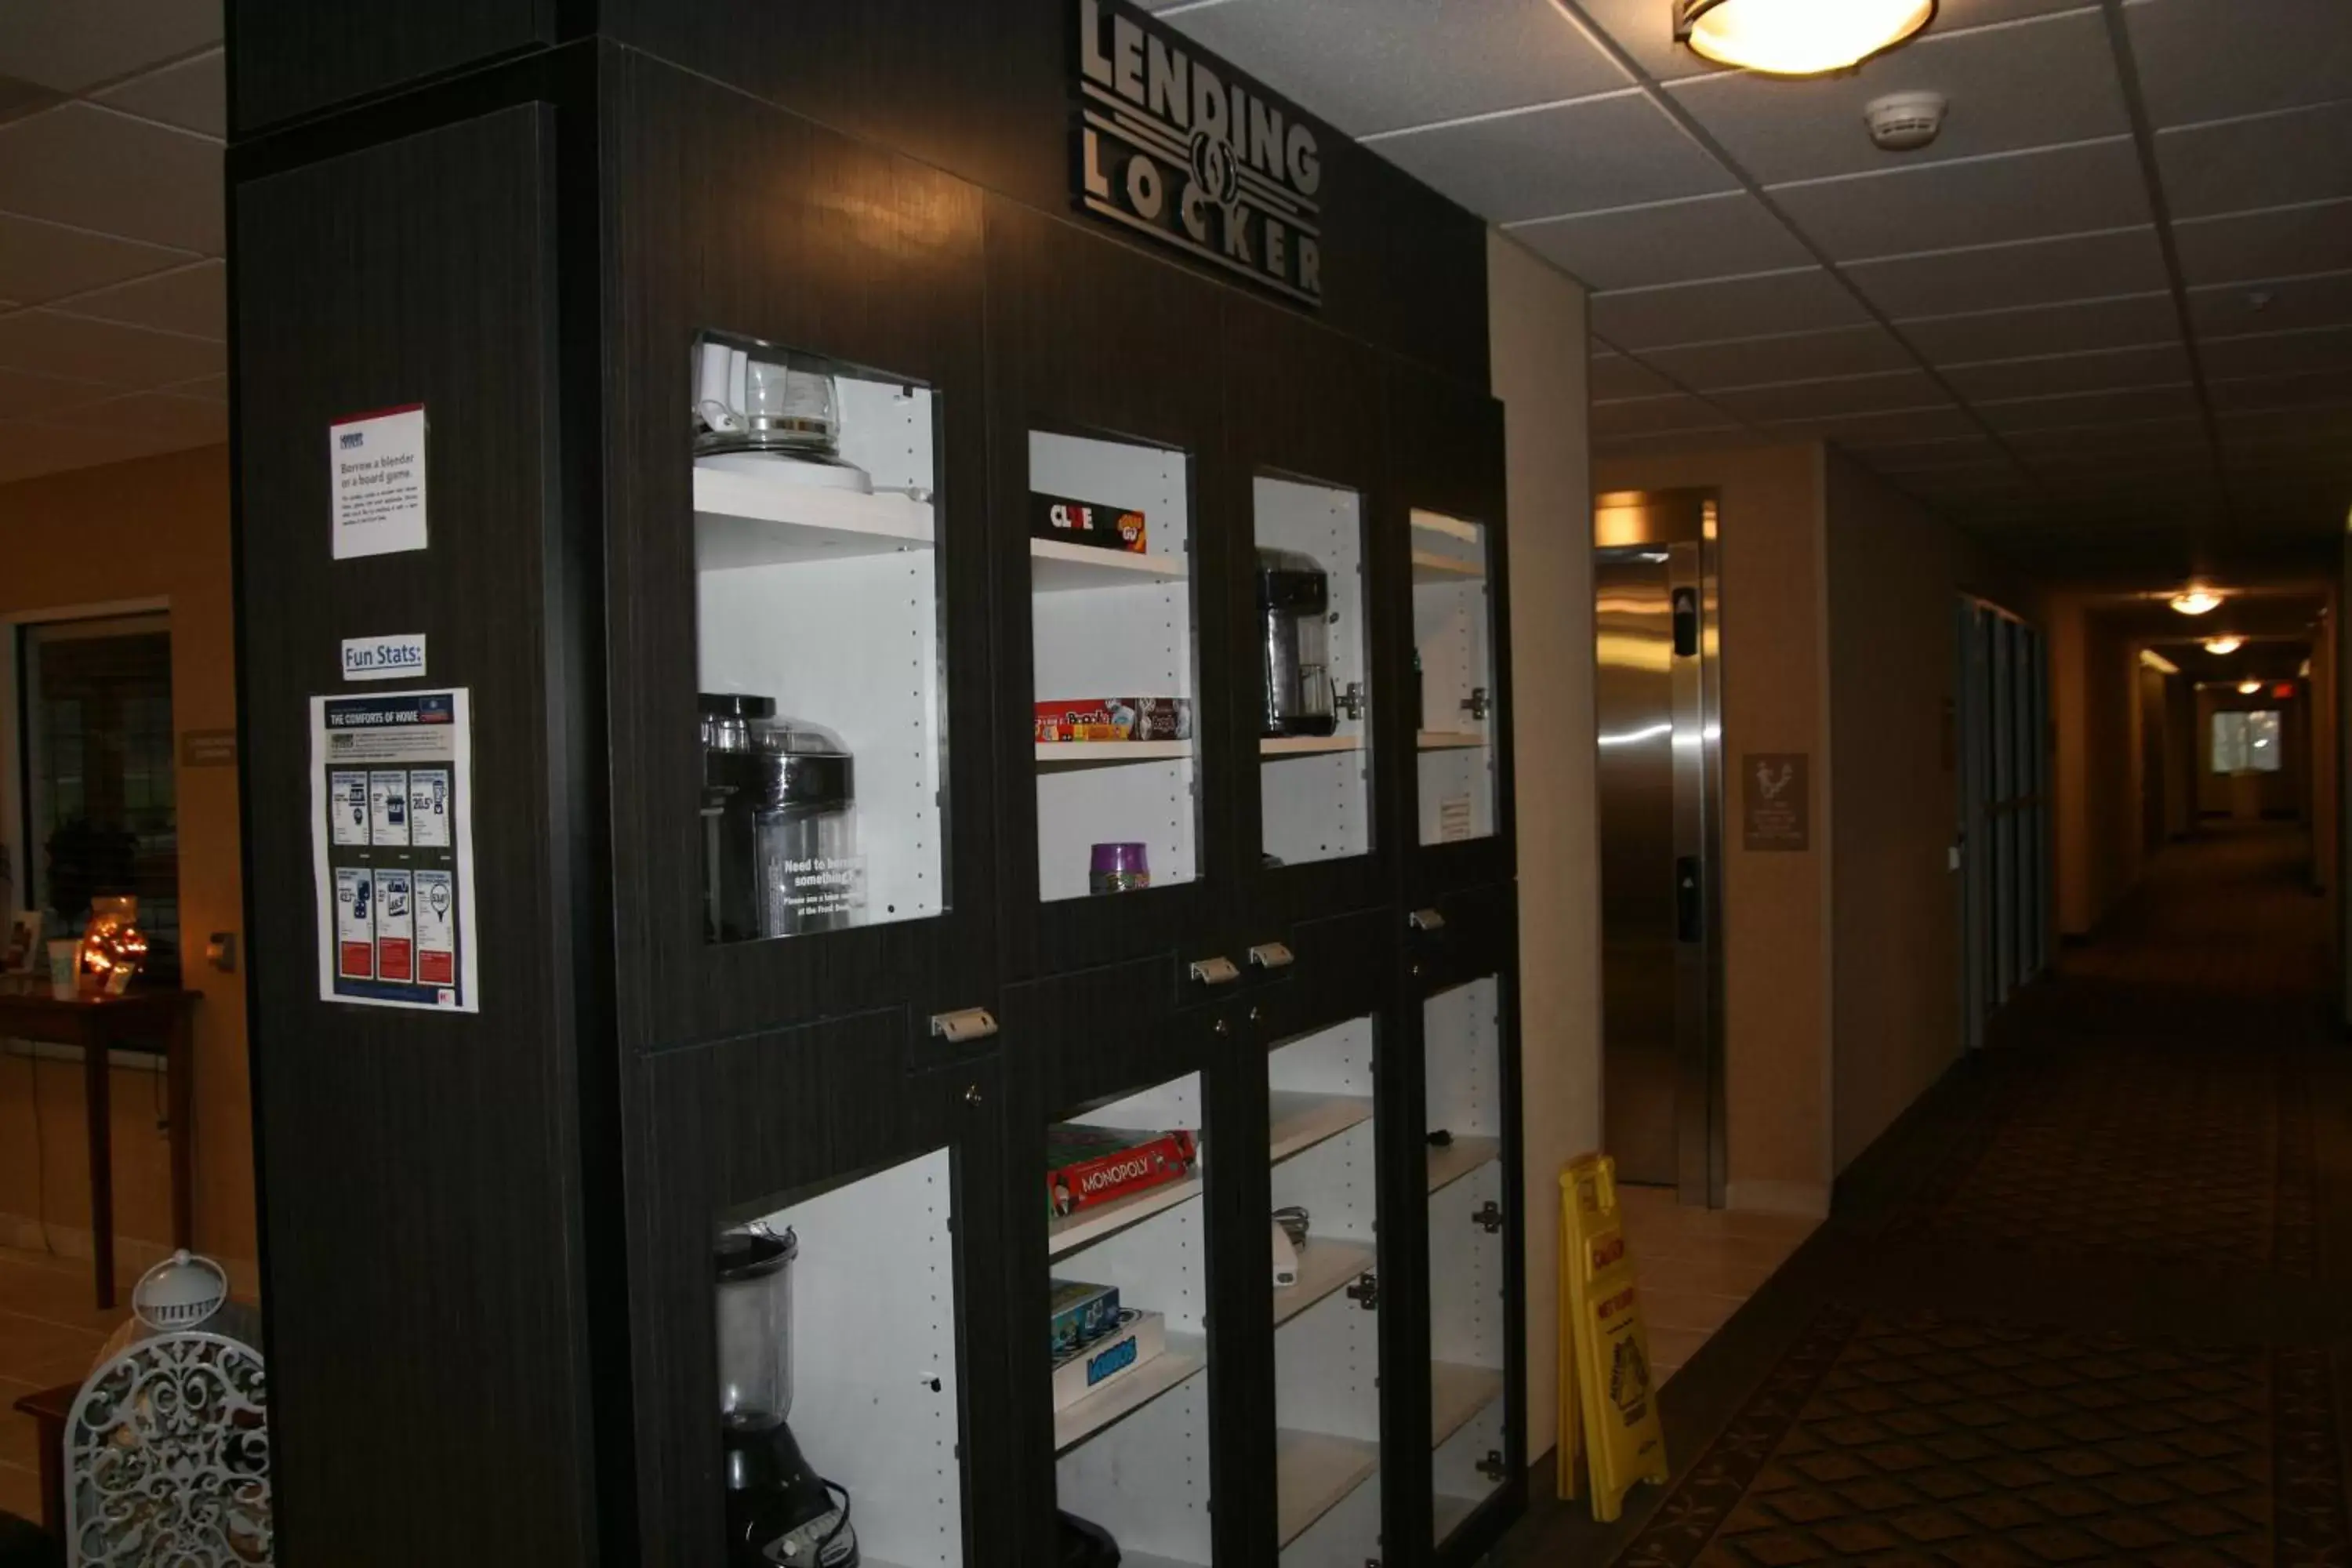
1538	332
1771	549
2092	708
153	530
1896	575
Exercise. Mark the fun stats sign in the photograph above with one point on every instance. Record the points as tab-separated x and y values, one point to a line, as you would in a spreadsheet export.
1173	146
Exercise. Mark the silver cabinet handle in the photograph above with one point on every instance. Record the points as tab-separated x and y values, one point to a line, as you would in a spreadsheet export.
964	1024
1272	956
1425	919
1218	970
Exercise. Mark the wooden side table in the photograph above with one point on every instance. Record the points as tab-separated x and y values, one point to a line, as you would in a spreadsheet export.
50	1409
158	1022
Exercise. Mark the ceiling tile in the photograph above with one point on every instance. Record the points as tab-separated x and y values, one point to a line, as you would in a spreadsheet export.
1614	152
1655	416
1795	356
1370	66
186	421
1840	395
2090	409
2277	305
193	94
18	98
23	394
2011	87
2130	321
1645	31
2159	435
1947	452
1891	427
2279	354
2278	243
1796	302
2164	364
2264	161
2204	59
213	386
95	169
40	261
2322	386
2077	189
2001	276
1614	375
1673	242
122	356
70	46
191	300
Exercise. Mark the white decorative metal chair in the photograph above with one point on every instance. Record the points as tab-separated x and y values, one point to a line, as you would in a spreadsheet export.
167	1447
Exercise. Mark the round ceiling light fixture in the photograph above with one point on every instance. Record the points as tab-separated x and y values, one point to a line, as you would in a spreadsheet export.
2196	602
2248	688
2224	645
1797	37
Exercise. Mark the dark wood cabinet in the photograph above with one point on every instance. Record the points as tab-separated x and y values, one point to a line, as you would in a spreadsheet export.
489	1238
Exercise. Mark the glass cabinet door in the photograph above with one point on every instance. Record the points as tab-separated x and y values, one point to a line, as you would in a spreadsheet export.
1454	687
1314	673
1325	1237
838	1382
1113	641
822	693
1127	1241
1468	1328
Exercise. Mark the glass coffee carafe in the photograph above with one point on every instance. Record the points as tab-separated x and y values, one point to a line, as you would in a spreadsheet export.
1294	599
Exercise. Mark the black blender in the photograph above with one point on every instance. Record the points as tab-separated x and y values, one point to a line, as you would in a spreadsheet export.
779	1510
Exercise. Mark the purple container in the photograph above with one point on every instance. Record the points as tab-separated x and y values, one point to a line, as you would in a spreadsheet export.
1118	868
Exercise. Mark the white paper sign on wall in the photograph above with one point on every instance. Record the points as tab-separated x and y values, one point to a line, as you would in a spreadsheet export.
376	467
397	657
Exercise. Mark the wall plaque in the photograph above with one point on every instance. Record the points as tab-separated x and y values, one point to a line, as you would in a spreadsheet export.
1776	799
208	748
1184	150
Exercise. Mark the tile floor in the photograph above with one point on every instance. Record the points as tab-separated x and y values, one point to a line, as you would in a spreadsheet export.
1696	1266
50	1329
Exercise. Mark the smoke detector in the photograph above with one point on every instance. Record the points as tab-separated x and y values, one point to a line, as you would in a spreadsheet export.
1905	122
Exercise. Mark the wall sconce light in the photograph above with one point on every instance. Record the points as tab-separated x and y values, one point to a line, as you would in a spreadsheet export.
1797	37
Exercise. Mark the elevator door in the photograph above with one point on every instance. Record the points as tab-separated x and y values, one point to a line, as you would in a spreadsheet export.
1654	751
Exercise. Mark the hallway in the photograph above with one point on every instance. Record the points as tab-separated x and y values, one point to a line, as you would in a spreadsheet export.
2090	1301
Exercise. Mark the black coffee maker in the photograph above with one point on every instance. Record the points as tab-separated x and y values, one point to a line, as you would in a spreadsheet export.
779	1510
1294	600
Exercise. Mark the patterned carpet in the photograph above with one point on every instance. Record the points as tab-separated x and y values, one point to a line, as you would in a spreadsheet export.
1916	1439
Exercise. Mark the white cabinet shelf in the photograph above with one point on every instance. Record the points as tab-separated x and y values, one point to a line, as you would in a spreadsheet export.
1184	1355
1145	1560
1107	753
1070	1232
1449	1163
756	520
1447	527
1058	568
1324	1264
1449	1513
1299	1120
1314	1472
1456	1394
1428	567
1307	745
1451	740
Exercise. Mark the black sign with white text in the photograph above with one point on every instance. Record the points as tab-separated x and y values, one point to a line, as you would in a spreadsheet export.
1177	148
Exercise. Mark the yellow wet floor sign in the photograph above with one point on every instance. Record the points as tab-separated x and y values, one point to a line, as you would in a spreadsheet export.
1608	1409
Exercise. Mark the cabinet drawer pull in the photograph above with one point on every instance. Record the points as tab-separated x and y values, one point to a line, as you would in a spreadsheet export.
1425	919
964	1024
1272	956
1218	970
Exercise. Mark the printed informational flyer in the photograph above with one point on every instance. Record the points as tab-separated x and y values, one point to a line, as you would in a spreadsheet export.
391	839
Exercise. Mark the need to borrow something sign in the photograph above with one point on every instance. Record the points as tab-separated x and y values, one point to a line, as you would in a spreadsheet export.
1180	150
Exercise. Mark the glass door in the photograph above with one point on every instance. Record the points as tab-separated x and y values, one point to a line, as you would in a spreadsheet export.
1315	719
1323	1150
1453	688
1468	1256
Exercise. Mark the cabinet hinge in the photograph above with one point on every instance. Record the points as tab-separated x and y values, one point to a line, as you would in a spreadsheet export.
1492	1466
1478	703
1366	1291
1488	1216
1352	701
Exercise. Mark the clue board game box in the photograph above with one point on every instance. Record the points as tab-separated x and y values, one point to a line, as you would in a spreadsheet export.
1086	522
1090	1165
1082	1313
1115	718
1136	1339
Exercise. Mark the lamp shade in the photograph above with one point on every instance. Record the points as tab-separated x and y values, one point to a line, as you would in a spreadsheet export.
1797	37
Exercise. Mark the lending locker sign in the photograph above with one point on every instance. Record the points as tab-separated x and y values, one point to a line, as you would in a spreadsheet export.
393	845
1180	148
